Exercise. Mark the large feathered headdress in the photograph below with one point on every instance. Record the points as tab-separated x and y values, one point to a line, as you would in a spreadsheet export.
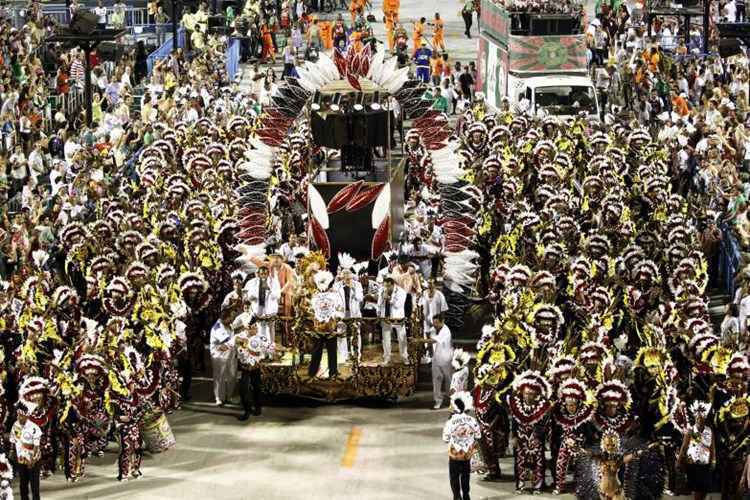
533	379
323	280
346	261
460	358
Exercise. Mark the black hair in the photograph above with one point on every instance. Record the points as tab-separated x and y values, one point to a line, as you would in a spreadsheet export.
459	404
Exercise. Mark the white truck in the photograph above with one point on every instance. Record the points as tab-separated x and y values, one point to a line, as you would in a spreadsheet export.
537	61
559	95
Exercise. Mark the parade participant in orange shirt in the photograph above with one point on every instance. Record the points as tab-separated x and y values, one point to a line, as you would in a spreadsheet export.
267	39
417	34
446	67
436	67
354	7
390	18
680	105
438	37
326	34
391	8
389	31
356	40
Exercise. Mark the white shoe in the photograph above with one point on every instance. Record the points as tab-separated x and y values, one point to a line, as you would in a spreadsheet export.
437	406
218	402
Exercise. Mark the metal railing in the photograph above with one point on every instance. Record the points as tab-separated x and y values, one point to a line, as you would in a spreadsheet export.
233	58
165	49
59	13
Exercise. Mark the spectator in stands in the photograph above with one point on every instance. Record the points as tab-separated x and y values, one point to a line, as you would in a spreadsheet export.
141	66
77	68
101	15
73	8
118	14
161	20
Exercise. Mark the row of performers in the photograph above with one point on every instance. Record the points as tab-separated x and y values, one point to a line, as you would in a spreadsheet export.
353	294
613	445
124	397
73	416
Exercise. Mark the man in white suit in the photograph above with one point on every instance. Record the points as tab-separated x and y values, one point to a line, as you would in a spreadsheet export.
442	371
223	357
264	294
433	303
391	302
352	296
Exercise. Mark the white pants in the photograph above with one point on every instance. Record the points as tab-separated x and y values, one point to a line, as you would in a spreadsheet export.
343	350
359	344
427	330
267	329
224	370
441	379
401	335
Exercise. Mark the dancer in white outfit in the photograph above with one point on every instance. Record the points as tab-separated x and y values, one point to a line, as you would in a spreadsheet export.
391	301
442	371
223	358
350	292
264	294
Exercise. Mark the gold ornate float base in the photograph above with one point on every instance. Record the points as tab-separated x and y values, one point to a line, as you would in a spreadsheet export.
367	379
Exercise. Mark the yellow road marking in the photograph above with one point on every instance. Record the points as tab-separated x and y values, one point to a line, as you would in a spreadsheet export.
350	450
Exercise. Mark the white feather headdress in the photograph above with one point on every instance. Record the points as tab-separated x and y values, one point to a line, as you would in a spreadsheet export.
346	261
323	280
359	266
247	253
700	408
40	258
460	358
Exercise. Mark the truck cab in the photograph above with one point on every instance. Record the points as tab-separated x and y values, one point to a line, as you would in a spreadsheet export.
559	95
535	60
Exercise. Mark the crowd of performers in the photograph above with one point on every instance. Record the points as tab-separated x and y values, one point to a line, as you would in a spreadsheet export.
101	329
602	351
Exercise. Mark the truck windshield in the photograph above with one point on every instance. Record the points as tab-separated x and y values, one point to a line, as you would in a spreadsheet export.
566	99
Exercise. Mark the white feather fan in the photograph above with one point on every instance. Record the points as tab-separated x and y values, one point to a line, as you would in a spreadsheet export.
317	206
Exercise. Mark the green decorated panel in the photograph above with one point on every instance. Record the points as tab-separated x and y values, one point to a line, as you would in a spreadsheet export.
540	54
494	22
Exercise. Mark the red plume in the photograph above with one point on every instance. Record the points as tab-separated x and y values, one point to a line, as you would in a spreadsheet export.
353	81
320	236
340	61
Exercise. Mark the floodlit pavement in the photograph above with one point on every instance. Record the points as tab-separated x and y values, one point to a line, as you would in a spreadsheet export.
459	47
307	451
302	450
